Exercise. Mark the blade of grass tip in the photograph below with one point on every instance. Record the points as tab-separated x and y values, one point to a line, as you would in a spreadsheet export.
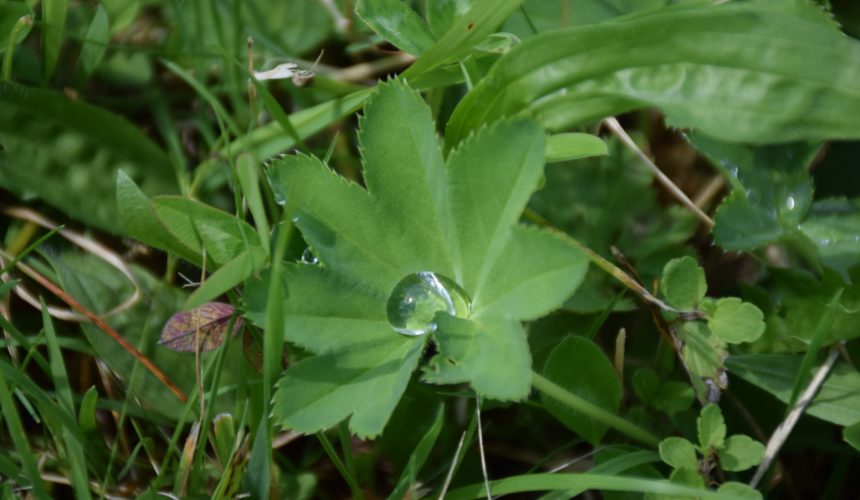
63	389
339	465
585	407
821	330
23	23
250	182
19	439
54	19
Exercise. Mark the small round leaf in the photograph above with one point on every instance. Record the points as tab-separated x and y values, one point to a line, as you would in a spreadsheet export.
741	452
683	283
736	321
711	427
679	453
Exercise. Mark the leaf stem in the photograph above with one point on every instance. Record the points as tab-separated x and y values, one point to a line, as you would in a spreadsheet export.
589	409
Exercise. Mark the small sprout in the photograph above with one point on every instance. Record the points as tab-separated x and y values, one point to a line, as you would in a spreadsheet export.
204	327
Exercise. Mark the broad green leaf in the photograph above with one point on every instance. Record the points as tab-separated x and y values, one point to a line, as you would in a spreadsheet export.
53	32
573	146
741	452
683	283
363	383
851	435
689	61
490	353
395	131
580	367
511	154
711	428
772	190
10	13
67	152
837	401
139	220
525	287
95	43
679	453
420	219
833	226
396	22
233	273
736	321
201	227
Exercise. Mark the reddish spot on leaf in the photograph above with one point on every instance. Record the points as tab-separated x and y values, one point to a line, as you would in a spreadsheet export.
205	326
470	26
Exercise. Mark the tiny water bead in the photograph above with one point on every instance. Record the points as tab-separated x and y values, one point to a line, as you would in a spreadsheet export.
417	298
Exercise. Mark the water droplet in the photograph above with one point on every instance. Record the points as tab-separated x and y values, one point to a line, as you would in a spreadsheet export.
790	203
309	258
417	298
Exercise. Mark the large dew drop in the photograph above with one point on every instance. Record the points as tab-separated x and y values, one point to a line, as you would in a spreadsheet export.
417	298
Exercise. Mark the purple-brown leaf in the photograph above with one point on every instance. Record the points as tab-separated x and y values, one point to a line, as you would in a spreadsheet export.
204	326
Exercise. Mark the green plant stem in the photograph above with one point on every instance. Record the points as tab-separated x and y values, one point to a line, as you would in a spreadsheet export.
589	409
22	23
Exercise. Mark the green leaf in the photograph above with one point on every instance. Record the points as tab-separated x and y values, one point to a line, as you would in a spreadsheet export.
711	428
10	13
703	353
95	44
139	220
673	397
837	401
442	14
851	435
468	30
199	226
679	453
53	31
833	226
740	491
525	287
455	222
365	382
797	93
490	353
396	22
580	367
511	154
232	273
67	152
573	146
736	321
772	190
741	452
683	283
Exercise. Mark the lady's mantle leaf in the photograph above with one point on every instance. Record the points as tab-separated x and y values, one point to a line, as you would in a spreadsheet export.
204	326
417	215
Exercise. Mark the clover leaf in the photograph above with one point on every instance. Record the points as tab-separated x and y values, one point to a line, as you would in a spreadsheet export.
431	251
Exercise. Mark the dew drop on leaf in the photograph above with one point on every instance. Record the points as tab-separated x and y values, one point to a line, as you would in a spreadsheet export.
308	257
205	326
417	298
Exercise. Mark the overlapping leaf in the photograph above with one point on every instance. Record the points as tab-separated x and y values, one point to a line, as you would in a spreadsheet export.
418	214
742	71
